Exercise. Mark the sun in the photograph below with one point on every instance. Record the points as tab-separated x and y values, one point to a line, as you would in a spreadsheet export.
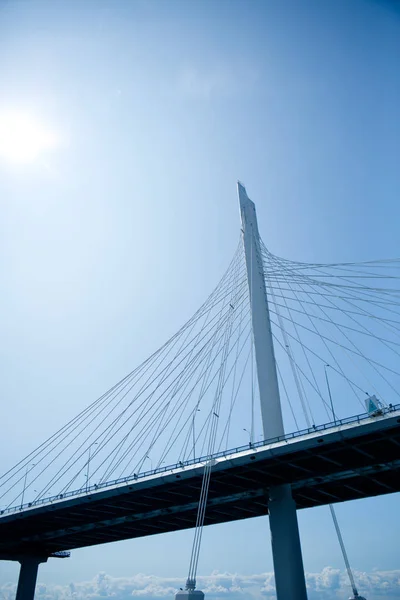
23	138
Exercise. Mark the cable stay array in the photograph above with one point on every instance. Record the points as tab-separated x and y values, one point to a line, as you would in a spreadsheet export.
191	390
336	331
342	318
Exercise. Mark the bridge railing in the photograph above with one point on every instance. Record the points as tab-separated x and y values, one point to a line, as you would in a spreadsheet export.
196	460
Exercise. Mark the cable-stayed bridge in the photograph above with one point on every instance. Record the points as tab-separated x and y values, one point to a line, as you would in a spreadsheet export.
357	458
197	428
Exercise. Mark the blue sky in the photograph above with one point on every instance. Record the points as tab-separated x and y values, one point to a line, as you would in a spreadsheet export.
110	241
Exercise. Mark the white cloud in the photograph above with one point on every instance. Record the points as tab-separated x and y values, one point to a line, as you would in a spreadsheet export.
329	584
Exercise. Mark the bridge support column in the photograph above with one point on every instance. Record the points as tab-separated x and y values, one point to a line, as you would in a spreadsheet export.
286	549
27	577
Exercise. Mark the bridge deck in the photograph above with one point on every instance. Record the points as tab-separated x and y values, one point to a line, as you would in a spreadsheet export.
344	462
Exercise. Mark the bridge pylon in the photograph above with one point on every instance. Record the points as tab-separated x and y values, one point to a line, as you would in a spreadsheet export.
286	548
28	576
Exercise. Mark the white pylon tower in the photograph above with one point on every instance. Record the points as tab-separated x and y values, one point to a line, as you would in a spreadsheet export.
286	549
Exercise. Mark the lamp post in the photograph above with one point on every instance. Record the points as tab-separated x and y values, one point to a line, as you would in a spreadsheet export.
194	436
88	465
25	478
329	392
151	462
250	440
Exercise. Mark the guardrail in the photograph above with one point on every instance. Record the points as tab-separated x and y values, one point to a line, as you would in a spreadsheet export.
187	463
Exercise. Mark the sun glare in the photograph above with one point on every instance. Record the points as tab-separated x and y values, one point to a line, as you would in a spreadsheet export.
23	138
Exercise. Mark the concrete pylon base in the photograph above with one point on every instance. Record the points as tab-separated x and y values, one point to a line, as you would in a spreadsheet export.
27	577
286	549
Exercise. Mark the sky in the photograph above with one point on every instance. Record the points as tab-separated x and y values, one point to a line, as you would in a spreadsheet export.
118	227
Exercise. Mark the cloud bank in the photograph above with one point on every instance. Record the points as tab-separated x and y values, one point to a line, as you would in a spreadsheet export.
329	584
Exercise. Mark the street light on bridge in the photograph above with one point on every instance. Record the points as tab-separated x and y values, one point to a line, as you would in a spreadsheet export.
329	392
194	436
88	465
25	478
250	436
